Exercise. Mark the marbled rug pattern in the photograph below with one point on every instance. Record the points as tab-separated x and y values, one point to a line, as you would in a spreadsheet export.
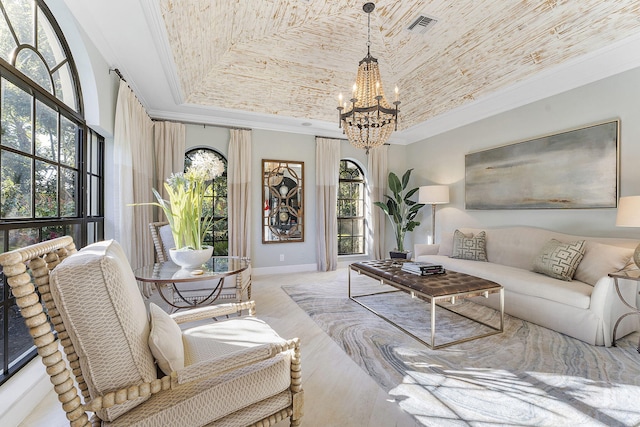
529	375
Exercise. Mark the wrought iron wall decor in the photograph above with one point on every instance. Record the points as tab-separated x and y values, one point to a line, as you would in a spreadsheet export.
575	169
282	201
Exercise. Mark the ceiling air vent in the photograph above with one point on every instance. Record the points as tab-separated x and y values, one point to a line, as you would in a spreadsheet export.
422	24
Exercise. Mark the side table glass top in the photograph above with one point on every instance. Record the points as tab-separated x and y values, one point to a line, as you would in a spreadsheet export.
168	272
626	274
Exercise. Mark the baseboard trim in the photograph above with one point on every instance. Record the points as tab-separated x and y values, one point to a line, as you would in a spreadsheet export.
299	268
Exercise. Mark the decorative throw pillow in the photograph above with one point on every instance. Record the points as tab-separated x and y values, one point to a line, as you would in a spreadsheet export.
472	248
559	260
165	340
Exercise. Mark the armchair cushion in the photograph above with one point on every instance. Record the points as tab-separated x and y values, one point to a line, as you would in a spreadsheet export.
217	339
98	299
261	387
167	239
165	340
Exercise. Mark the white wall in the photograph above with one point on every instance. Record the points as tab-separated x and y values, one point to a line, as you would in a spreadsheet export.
440	159
295	147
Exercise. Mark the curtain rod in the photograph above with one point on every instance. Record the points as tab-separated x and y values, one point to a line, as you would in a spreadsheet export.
118	73
199	124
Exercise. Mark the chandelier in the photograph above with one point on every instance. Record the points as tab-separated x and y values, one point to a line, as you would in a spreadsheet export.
368	119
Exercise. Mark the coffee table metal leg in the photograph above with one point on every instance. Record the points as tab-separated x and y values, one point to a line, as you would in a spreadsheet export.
502	310
433	322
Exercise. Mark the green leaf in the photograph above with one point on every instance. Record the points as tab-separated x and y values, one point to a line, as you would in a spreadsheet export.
382	206
405	178
415	208
394	184
411	225
410	193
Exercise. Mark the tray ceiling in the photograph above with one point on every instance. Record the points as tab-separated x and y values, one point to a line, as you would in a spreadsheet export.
271	63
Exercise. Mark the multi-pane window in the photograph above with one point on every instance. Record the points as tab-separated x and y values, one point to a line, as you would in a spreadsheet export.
215	204
51	165
351	215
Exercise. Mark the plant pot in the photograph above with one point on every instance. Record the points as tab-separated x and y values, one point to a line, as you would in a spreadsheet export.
190	258
401	255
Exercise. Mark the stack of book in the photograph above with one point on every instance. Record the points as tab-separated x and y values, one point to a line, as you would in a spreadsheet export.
422	268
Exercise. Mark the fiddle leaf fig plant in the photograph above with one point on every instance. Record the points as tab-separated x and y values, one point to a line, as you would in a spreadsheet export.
399	207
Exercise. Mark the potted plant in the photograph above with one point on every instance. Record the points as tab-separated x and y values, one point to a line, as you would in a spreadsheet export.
400	210
184	209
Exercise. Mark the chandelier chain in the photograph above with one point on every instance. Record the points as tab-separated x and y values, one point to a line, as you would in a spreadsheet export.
369	119
369	33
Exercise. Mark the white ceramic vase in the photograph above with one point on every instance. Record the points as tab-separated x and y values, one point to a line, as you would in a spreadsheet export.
191	258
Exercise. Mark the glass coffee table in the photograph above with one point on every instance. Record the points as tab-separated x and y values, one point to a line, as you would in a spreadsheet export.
171	280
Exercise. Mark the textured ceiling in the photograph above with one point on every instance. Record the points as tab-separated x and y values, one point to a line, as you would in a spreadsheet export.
292	57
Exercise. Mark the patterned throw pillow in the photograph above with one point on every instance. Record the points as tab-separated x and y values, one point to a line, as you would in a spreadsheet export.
472	248
559	260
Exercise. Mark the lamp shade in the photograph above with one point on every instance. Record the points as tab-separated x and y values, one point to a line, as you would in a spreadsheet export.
433	194
628	212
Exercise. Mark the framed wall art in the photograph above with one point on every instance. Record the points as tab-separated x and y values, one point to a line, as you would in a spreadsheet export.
575	169
282	201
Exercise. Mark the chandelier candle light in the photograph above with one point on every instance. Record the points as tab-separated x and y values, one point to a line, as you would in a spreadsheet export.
369	119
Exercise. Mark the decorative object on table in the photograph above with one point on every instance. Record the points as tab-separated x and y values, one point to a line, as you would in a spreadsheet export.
629	216
184	209
190	258
433	195
568	170
282	201
369	119
422	268
400	209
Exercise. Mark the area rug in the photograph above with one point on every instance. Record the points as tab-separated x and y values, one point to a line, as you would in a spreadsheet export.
528	375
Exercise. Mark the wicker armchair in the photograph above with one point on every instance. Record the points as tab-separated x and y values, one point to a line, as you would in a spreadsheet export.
237	291
235	372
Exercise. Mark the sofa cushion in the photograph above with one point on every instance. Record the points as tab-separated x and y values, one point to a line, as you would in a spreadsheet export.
559	260
446	243
98	299
600	260
471	248
165	340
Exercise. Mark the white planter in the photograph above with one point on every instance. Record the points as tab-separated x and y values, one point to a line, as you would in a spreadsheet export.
191	258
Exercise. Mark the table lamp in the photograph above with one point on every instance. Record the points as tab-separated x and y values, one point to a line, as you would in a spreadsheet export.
433	195
629	216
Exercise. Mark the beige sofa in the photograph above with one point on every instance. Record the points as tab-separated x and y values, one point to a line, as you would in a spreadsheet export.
585	308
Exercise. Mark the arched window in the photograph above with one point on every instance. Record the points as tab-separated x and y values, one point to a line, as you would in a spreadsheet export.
351	214
215	205
47	154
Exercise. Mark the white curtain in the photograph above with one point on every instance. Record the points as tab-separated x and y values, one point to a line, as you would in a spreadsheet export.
169	143
377	165
133	168
239	184
327	171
